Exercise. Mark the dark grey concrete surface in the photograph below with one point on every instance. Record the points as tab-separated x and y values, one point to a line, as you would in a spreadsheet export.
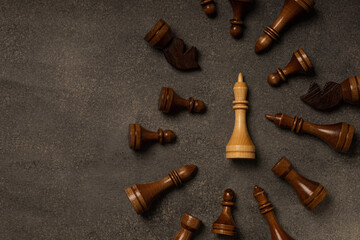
74	74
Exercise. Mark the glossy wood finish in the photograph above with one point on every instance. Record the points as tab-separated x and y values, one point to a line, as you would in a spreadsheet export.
170	102
339	136
240	144
160	36
267	209
140	137
209	7
333	94
292	10
310	193
189	225
142	195
240	7
225	224
299	64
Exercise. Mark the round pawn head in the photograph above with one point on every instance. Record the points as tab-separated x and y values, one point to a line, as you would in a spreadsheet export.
228	195
236	31
169	136
199	106
274	79
209	8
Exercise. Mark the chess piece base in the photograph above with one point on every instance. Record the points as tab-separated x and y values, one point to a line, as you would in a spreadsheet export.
224	229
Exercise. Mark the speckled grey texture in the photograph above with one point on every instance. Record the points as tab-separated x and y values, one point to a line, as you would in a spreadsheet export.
74	74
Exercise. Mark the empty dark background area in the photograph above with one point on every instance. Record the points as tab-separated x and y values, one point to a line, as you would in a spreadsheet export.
75	74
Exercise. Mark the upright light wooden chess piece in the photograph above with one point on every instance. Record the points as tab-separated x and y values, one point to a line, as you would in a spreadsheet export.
240	144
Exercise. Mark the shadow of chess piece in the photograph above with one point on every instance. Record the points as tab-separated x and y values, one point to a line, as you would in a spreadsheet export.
189	225
309	192
174	48
267	209
225	224
299	64
140	138
339	136
141	196
291	11
209	7
170	102
240	8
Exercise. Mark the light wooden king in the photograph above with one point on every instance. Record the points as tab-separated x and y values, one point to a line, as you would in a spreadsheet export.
240	144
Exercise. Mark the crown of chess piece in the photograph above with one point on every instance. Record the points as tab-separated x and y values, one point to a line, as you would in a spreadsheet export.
225	224
339	135
161	37
267	209
189	225
309	192
291	11
140	137
209	7
142	195
240	7
169	101
240	144
333	94
299	64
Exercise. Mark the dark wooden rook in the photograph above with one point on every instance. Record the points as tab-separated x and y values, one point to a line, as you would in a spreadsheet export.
140	137
174	48
240	7
170	102
209	7
333	94
225	224
339	136
142	195
267	209
292	10
189	225
299	64
309	192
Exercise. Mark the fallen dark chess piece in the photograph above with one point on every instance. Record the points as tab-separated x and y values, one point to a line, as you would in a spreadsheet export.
333	94
161	37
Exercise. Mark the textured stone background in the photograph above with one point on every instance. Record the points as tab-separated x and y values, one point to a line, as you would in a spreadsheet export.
74	74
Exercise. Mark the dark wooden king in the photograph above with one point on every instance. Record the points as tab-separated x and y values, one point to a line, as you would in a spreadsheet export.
142	195
339	136
267	209
310	193
140	137
292	10
170	102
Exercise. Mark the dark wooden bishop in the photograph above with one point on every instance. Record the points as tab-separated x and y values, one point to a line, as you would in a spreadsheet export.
309	192
142	195
292	10
209	7
189	225
170	102
225	224
240	7
139	137
267	209
339	136
299	64
174	48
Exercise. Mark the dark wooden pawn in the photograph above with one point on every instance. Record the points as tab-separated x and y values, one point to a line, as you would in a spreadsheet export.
169	101
189	225
209	7
140	137
174	48
142	195
267	209
225	224
299	64
309	192
292	10
240	7
339	136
